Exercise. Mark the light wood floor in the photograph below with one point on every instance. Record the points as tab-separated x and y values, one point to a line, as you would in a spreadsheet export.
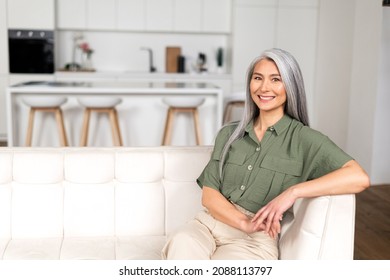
372	232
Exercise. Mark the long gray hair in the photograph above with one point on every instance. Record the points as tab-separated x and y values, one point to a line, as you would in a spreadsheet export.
292	80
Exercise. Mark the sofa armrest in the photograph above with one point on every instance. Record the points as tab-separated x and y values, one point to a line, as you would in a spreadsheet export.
319	228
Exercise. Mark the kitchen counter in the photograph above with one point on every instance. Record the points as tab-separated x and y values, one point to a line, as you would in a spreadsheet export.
141	114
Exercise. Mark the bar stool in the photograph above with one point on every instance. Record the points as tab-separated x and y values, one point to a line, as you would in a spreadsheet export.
182	105
49	104
233	101
101	104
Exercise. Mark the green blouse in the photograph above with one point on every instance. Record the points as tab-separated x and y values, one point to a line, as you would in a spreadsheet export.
255	172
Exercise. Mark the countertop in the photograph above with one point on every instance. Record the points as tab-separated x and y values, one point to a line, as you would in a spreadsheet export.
102	87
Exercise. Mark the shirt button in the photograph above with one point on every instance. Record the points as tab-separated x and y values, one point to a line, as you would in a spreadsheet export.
272	128
242	187
258	149
250	167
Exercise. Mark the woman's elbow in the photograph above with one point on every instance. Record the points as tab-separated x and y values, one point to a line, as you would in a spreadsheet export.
362	180
206	196
359	179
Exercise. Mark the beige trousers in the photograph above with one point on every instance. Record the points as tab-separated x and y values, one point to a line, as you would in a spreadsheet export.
206	238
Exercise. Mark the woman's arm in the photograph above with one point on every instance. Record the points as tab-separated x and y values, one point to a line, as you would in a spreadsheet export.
221	209
350	178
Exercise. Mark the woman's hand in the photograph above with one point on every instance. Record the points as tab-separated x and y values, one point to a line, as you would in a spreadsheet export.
249	227
271	214
221	209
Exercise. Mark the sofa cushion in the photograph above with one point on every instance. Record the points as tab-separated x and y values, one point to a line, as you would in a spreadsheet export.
139	247
86	166
140	209
89	209
143	166
185	165
5	210
88	248
3	245
33	249
6	167
38	166
37	210
183	202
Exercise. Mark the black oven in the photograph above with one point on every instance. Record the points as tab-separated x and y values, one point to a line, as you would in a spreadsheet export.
31	51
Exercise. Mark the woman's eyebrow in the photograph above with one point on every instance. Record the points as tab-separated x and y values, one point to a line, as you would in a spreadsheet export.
272	75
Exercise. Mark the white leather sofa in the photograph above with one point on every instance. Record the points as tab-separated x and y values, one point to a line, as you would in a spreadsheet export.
120	203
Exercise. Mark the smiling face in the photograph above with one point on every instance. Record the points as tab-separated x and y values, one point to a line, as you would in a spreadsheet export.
267	89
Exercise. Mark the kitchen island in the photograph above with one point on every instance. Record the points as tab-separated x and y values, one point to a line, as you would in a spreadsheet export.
142	112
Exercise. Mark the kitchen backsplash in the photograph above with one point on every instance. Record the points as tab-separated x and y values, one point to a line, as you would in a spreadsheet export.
121	51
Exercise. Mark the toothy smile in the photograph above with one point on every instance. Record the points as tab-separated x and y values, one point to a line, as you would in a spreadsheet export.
266	98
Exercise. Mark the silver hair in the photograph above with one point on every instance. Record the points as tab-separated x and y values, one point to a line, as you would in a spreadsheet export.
292	79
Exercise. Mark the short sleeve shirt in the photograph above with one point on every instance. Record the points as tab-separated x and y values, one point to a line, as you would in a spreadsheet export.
254	172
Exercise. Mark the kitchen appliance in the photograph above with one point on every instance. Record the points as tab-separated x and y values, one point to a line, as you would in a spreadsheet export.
31	51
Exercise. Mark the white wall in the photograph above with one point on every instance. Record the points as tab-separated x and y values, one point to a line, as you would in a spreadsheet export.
381	149
333	73
346	93
120	51
364	81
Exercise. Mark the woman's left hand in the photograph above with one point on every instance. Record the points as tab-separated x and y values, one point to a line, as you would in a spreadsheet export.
272	213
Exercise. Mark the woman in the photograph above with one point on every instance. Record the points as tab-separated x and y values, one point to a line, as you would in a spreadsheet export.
261	166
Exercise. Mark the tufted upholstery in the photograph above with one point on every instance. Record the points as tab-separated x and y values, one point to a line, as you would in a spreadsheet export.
120	203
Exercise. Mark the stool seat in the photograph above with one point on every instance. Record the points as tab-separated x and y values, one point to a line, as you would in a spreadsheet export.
44	101
184	102
99	101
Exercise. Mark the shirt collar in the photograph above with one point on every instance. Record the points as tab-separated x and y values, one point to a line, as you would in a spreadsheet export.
278	127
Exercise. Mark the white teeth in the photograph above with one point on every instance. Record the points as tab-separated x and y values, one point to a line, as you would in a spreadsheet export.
267	98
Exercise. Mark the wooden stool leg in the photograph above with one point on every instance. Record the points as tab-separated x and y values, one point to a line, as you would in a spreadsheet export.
168	127
197	127
61	127
30	127
85	128
116	134
118	129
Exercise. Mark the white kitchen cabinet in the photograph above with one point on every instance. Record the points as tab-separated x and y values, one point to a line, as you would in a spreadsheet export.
3	39
217	15
202	16
86	14
146	15
30	14
71	14
188	15
101	14
159	15
131	15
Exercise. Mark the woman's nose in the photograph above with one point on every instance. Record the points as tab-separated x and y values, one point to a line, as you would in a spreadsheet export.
264	85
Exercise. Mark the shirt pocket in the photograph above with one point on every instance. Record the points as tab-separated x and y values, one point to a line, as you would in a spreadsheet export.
274	174
233	170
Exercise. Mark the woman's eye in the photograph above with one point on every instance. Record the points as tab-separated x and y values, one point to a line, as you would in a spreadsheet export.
275	79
